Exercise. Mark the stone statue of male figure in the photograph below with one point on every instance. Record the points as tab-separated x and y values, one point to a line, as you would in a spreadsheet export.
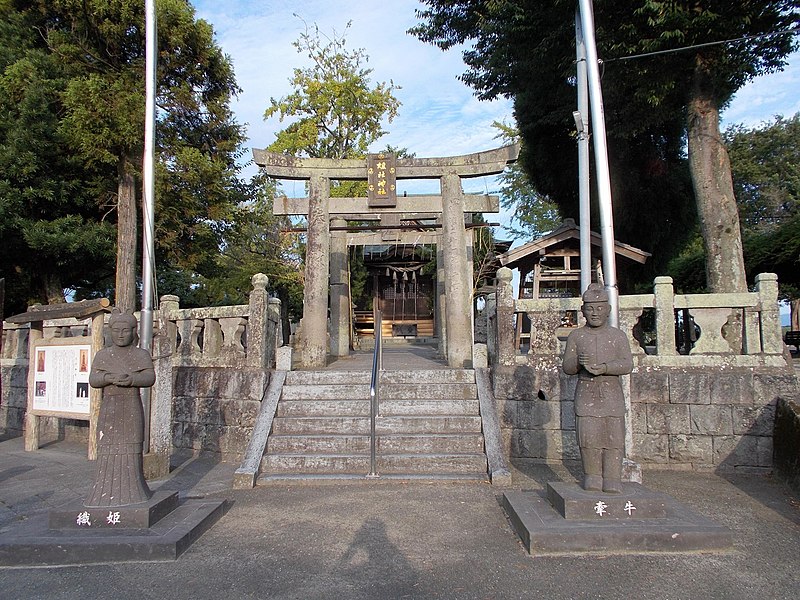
599	354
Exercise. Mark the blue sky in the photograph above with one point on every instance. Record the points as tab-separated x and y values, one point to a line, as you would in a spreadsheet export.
439	115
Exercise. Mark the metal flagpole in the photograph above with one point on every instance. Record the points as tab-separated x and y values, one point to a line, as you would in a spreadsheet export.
601	159
148	201
582	126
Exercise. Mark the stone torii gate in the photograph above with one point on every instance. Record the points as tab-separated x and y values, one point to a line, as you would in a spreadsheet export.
328	262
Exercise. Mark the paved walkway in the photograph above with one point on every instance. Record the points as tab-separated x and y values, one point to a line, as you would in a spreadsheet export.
395	358
388	539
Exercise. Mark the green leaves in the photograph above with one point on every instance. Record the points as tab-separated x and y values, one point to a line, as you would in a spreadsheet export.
72	112
336	110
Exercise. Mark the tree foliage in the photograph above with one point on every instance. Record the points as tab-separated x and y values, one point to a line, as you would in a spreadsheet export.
335	111
765	162
532	215
525	50
90	54
51	203
766	175
766	172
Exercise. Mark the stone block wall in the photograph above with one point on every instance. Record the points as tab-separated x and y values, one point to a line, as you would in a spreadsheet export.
215	408
537	417
681	418
14	399
706	419
787	443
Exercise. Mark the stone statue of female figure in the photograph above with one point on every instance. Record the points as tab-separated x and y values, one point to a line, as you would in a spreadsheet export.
120	370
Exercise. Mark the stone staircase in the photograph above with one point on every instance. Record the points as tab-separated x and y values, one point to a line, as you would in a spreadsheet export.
429	426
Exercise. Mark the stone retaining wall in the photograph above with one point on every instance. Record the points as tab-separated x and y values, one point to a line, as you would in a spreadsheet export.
215	408
701	419
787	443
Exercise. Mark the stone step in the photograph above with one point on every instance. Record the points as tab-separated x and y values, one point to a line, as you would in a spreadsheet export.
383	425
442	443
428	391
355	408
465	407
428	464
320	425
362	377
314	464
388	391
428	424
323	408
471	443
432	463
320	391
318	444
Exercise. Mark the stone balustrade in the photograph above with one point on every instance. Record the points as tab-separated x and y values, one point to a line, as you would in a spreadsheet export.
212	365
222	336
708	405
741	329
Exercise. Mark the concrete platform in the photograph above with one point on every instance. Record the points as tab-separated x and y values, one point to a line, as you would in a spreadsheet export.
390	539
594	522
32	543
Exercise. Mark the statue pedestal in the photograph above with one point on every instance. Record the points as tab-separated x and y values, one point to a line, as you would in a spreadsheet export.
566	519
157	530
635	502
133	516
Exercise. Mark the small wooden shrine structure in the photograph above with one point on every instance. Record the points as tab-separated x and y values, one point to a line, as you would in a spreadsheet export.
549	267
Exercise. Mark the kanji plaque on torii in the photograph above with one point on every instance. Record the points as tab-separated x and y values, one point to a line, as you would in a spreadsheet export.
381	180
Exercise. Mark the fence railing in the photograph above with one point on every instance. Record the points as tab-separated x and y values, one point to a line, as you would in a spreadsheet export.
224	336
239	335
663	328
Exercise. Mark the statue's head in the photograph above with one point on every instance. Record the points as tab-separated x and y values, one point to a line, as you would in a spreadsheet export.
123	328
596	307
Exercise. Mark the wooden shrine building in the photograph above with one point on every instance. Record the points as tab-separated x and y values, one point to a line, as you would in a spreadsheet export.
549	267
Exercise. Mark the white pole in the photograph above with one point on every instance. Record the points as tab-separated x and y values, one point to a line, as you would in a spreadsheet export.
148	201
148	192
601	159
582	126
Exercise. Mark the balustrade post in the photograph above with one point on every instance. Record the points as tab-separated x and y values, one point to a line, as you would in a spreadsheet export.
767	289
257	324
665	316
274	331
505	317
491	328
165	342
212	337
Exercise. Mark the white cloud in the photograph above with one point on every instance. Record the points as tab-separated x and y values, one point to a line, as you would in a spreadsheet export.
766	96
439	115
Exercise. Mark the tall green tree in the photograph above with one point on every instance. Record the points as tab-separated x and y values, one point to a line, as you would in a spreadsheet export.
52	205
532	215
525	50
766	176
98	107
765	163
335	109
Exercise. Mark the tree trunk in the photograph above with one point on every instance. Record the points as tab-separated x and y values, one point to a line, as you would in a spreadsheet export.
126	238
795	315
713	188
53	289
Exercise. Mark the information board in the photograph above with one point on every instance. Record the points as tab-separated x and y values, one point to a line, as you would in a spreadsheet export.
61	378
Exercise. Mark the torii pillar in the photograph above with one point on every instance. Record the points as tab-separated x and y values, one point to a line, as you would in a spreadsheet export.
458	292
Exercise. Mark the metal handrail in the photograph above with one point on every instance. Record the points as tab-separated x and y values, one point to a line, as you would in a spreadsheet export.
377	367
